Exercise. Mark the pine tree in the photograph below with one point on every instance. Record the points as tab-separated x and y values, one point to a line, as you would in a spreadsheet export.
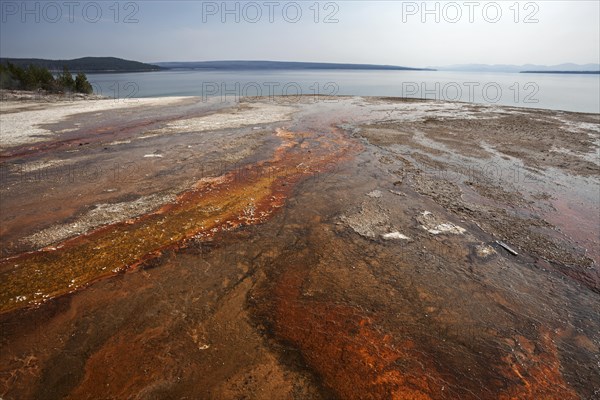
38	78
82	85
65	80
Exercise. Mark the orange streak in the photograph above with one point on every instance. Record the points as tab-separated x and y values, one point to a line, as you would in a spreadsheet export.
243	197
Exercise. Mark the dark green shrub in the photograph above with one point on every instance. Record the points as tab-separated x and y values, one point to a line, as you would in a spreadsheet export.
65	80
82	85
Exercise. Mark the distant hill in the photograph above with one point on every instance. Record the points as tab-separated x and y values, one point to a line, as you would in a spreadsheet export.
278	65
86	64
563	72
519	68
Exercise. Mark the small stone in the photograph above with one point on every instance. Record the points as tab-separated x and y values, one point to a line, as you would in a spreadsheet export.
394	236
484	251
376	194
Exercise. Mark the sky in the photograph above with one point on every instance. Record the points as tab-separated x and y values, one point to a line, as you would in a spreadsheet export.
407	33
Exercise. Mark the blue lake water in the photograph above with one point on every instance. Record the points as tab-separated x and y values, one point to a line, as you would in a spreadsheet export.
553	91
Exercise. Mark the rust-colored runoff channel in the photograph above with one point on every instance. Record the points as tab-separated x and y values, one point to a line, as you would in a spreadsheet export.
357	360
240	197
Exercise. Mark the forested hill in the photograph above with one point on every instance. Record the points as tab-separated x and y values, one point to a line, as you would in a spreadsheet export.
85	64
278	65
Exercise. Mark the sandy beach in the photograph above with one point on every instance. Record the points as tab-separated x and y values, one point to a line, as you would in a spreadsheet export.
326	247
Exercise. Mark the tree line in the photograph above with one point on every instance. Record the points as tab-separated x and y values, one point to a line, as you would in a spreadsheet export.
35	77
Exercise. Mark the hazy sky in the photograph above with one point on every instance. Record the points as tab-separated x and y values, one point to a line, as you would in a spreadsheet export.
385	32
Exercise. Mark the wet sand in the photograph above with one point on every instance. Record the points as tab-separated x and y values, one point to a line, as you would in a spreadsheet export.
298	248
